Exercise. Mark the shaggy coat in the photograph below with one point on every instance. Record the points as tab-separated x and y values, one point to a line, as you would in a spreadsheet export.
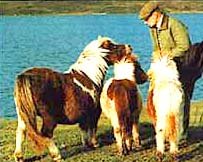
190	68
64	98
168	103
121	102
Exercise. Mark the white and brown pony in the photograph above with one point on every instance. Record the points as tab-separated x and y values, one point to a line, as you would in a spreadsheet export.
64	98
121	101
190	68
168	103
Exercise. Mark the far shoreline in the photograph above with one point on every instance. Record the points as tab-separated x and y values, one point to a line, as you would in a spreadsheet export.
100	7
93	14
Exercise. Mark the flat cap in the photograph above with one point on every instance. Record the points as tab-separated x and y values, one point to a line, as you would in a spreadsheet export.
147	9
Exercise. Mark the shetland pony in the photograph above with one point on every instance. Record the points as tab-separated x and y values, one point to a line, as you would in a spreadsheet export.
64	98
121	101
168	100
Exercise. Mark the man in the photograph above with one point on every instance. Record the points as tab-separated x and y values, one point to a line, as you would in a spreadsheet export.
169	37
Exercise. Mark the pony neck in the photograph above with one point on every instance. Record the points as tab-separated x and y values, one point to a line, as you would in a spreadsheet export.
93	66
167	75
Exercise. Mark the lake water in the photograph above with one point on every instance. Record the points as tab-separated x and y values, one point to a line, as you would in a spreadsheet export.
56	42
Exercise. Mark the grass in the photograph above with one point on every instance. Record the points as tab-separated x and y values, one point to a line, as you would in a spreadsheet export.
79	7
68	140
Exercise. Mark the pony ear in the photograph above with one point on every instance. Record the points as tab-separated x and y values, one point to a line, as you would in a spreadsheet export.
99	37
135	56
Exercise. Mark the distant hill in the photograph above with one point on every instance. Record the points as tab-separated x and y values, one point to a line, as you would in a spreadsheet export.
89	7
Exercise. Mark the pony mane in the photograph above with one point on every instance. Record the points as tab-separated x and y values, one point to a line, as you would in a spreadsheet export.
92	61
124	69
164	69
194	55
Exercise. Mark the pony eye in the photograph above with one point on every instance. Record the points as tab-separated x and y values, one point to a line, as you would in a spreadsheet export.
137	64
112	46
106	44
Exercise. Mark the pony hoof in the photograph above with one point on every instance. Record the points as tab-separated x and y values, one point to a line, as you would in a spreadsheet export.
18	157
91	145
174	156
129	148
160	156
96	145
123	152
137	146
57	158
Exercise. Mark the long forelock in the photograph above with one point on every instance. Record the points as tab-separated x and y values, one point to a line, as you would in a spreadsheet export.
94	48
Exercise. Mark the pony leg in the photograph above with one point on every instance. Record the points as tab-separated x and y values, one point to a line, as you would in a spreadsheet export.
47	131
160	138
173	147
93	129
129	141
135	129
54	151
136	137
84	134
188	90
92	137
117	133
119	141
174	137
89	137
20	137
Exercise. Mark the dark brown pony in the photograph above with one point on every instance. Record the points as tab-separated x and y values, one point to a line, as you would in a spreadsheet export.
64	98
121	102
190	67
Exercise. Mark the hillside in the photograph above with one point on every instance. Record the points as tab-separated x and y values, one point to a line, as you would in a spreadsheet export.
91	7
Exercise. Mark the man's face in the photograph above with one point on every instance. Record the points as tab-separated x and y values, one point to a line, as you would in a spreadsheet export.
152	20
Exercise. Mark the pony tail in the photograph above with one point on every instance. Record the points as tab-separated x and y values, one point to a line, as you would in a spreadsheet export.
27	111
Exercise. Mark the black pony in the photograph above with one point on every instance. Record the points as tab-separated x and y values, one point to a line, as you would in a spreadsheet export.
190	67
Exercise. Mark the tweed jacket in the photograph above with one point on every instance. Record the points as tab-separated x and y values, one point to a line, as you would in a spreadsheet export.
171	38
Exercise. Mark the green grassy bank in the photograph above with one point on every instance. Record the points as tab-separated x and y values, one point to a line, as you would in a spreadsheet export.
91	7
68	140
